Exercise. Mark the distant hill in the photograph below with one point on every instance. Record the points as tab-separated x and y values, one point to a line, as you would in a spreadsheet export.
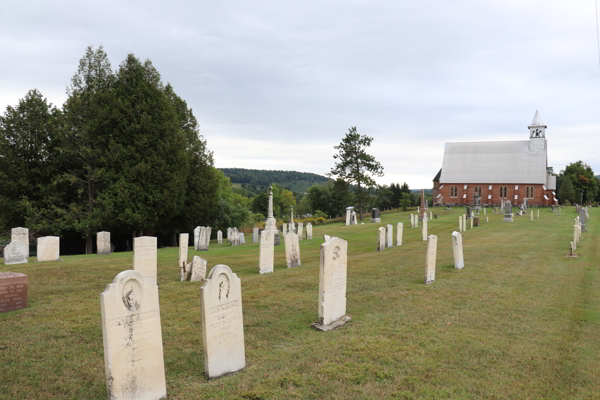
291	180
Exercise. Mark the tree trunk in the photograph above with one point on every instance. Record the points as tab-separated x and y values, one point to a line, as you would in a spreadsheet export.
360	200
89	244
174	239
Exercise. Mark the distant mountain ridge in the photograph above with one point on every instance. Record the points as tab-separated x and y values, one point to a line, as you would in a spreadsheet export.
292	180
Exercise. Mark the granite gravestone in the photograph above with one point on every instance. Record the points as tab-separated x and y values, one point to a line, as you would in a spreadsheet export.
457	250
430	259
332	284
399	233
292	249
424	229
184	239
13	290
144	256
197	271
219	237
103	243
375	215
267	252
381	239
16	253
242	238
222	323
254	235
389	235
308	231
300	230
21	235
133	347
48	248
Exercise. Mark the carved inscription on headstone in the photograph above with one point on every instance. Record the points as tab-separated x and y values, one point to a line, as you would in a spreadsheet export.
267	251
21	235
144	255
222	323
48	248
198	269
381	239
133	349
16	253
219	237
103	243
292	249
13	291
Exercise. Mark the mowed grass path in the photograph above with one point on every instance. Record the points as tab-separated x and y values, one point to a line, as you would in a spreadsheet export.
520	321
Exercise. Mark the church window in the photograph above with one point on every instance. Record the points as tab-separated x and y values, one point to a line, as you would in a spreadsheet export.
503	191
453	191
477	191
529	192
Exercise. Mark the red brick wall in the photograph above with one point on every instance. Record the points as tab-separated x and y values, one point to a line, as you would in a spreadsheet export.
537	200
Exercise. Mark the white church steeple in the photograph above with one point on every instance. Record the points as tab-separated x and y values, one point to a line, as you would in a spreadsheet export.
537	129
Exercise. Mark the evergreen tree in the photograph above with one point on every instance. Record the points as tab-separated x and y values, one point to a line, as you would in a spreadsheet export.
566	190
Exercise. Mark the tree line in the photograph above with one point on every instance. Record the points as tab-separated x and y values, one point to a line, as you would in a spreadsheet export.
123	153
577	184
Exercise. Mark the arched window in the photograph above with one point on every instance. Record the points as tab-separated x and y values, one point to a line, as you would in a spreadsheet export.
453	191
503	192
529	192
477	191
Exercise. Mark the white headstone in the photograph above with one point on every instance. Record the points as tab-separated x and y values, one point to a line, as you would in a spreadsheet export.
531	215
229	233
284	229
184	239
254	235
222	323
472	218
197	271
308	231
381	239
457	250
354	221
300	230
292	249
416	220
430	259
21	235
48	248
424	230
267	252
242	238
348	215
219	237
133	346
487	219
389	235
538	214
399	233
196	237
235	237
332	284
16	253
412	221
460	228
144	256
575	239
326	237
430	214
103	243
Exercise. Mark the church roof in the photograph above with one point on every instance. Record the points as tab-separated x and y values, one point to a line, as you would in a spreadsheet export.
494	163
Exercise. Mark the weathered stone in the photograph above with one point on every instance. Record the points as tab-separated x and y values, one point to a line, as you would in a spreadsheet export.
103	243
308	231
144	256
300	230
424	229
277	239
229	233
292	249
222	323
326	237
381	239
332	283
219	237
375	215
197	237
531	215
133	347
16	253
354	221
471	222
271	222
399	233
184	239
204	238
254	235
198	269
13	289
48	248
575	236
349	215
430	259
389	235
457	250
21	235
284	230
234	239
267	252
416	217
460	228
242	238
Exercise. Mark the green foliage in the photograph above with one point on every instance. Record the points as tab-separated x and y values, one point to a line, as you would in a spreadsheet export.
254	179
566	191
584	181
355	165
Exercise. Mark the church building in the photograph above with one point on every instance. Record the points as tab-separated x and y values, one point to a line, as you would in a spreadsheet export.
497	171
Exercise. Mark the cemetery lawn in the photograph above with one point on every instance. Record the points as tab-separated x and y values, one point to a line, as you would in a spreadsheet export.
520	321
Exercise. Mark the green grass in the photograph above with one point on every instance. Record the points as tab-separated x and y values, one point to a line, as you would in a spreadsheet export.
520	321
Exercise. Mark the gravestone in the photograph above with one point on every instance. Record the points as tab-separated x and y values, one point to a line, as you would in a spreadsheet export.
508	216
412	221
422	208
204	238
485	211
235	237
469	212
267	252
103	243
354	221
472	222
284	229
559	211
242	239
375	215
48	248
332	284
21	235
133	346
476	221
582	219
457	250
430	215
349	215
13	290
326	237
575	235
184	239
308	231
254	235
292	249
416	221
197	237
219	237
222	323
271	222
465	222
229	233
381	239
16	253
460	228
399	233
144	256
424	229
300	230
390	235
197	271
487	219
430	259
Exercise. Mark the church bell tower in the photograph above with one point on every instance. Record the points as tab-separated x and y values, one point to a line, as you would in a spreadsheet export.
537	134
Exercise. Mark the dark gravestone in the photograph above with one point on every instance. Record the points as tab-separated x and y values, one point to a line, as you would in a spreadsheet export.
375	215
469	212
13	291
475	221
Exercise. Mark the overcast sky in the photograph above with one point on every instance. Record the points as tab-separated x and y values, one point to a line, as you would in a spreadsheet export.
276	84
